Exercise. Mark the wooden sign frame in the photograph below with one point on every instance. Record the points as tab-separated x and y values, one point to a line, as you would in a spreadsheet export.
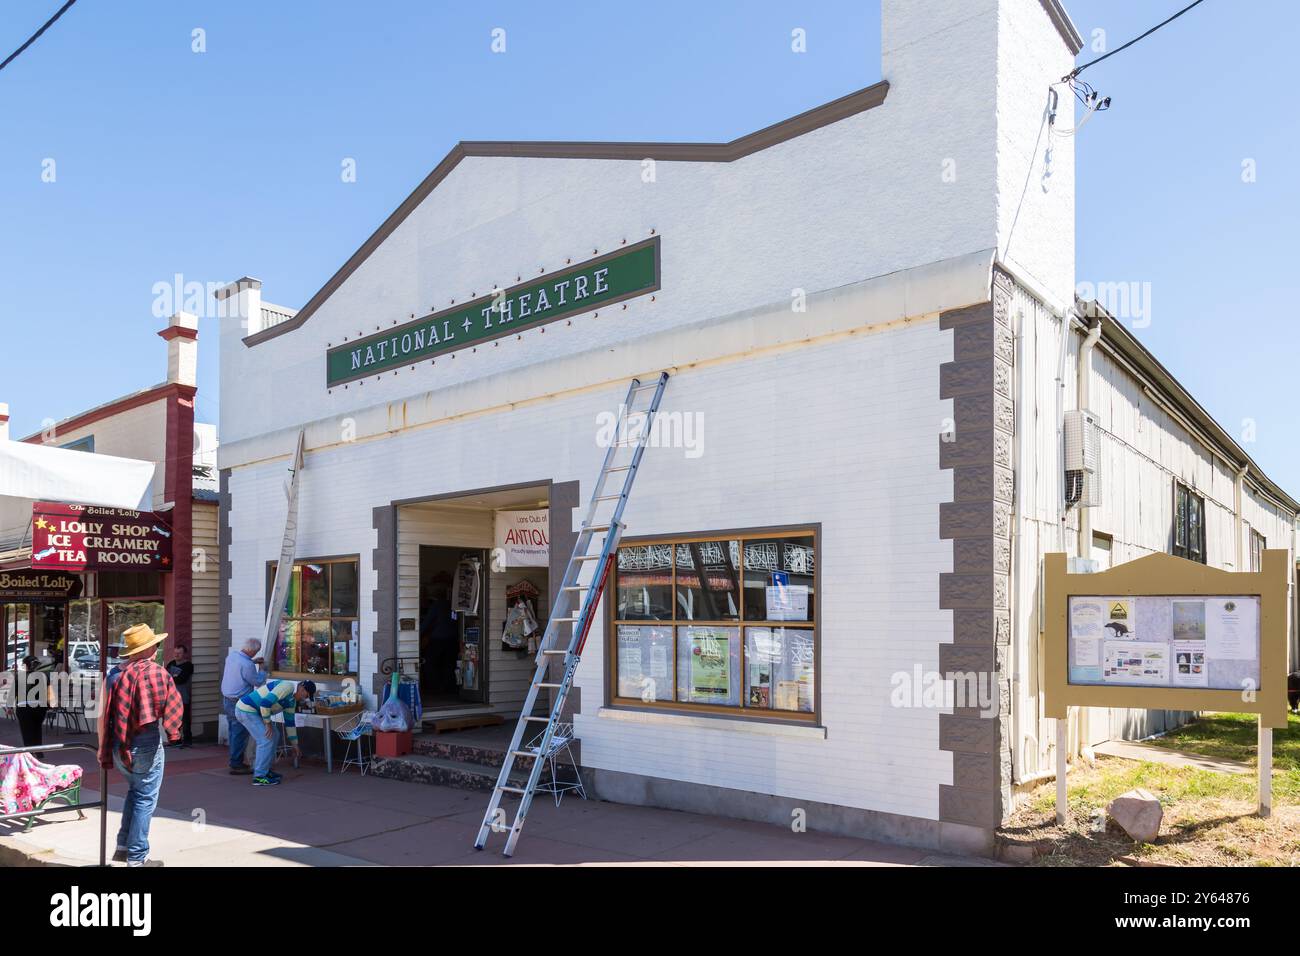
1163	575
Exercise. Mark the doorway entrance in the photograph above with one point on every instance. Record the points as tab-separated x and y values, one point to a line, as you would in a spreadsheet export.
453	607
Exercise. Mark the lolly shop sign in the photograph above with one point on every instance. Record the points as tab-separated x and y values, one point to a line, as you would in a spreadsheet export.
87	538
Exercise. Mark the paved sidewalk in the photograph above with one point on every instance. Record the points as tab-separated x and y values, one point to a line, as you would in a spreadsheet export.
1140	750
208	818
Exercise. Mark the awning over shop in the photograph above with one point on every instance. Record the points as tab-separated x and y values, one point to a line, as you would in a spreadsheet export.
31	473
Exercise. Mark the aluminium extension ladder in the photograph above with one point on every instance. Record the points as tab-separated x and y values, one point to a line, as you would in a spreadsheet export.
575	605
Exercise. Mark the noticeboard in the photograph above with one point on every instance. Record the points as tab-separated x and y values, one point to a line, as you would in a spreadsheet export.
1163	632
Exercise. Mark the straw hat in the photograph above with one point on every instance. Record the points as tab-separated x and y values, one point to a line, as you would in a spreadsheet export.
139	638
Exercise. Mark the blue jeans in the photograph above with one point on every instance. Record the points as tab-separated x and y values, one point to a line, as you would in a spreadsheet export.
144	781
236	733
256	728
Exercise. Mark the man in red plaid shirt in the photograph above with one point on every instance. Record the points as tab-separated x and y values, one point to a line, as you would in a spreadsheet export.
142	712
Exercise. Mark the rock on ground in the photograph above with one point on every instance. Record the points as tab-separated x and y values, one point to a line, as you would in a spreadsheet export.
1138	813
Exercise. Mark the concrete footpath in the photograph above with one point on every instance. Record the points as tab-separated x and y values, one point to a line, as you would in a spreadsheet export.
208	818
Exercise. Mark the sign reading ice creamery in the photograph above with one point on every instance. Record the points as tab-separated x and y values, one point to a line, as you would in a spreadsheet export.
87	538
631	271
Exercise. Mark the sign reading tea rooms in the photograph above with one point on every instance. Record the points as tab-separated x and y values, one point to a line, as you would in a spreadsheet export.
610	278
87	538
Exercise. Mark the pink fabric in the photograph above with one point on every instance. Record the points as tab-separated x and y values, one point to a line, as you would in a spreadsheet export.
25	782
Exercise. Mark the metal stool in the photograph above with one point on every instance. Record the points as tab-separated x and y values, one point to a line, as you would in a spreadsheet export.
561	742
356	731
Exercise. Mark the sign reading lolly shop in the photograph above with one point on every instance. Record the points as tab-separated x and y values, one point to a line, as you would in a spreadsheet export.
601	281
86	538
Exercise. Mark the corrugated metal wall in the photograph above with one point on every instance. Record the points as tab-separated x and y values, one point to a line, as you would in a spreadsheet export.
1143	450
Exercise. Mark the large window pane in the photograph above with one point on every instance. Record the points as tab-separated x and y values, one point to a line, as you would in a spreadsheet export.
644	662
645	583
708	582
315	590
287	645
345	650
708	665
343	586
316	647
123	615
780	667
779	576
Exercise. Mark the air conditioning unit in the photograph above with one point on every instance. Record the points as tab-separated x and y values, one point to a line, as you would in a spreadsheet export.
1081	437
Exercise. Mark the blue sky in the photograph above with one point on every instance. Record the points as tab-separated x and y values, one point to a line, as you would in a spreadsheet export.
227	162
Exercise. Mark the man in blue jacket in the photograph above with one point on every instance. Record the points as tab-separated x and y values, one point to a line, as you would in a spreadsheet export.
243	673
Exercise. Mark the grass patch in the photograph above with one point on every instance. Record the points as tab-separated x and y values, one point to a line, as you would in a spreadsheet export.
1209	817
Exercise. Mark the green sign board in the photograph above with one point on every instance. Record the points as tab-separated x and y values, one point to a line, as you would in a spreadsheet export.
610	278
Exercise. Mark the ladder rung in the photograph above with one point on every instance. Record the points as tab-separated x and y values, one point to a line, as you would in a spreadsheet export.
544	684
610	471
545	720
554	651
575	587
595	527
564	620
518	790
523	753
610	497
586	557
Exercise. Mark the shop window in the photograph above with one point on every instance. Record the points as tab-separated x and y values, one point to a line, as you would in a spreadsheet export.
320	627
734	624
1189	524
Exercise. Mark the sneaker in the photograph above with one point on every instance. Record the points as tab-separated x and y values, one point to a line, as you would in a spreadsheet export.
241	771
119	855
147	863
266	781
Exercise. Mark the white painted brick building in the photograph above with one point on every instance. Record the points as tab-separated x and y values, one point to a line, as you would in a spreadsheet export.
845	301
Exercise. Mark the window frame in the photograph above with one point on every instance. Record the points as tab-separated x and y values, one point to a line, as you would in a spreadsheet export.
270	586
725	711
1185	550
1258	545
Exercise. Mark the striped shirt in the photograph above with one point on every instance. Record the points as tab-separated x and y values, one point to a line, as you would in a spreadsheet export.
273	697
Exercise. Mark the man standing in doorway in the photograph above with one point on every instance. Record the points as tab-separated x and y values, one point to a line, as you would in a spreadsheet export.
142	711
243	673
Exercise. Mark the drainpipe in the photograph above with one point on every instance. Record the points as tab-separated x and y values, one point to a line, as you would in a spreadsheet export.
1238	487
1083	388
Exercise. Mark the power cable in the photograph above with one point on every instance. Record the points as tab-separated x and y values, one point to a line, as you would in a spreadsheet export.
37	35
1079	69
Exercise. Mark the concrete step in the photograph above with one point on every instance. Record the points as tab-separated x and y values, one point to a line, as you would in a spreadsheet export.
458	774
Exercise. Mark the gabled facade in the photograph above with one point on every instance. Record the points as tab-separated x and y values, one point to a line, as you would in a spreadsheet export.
843	303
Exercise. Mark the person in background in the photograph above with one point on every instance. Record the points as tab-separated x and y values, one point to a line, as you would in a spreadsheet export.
242	674
182	671
255	710
142	710
31	701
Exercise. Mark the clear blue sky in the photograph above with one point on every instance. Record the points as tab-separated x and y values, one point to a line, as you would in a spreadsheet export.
223	163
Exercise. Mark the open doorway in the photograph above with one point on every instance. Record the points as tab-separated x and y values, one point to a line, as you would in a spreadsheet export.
483	662
453	607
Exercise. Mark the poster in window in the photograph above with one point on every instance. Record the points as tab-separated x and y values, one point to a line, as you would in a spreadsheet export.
708	665
643	668
780	669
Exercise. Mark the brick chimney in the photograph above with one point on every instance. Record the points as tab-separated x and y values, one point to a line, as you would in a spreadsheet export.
182	337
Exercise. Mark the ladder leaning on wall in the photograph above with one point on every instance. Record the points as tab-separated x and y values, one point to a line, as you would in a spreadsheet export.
575	608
